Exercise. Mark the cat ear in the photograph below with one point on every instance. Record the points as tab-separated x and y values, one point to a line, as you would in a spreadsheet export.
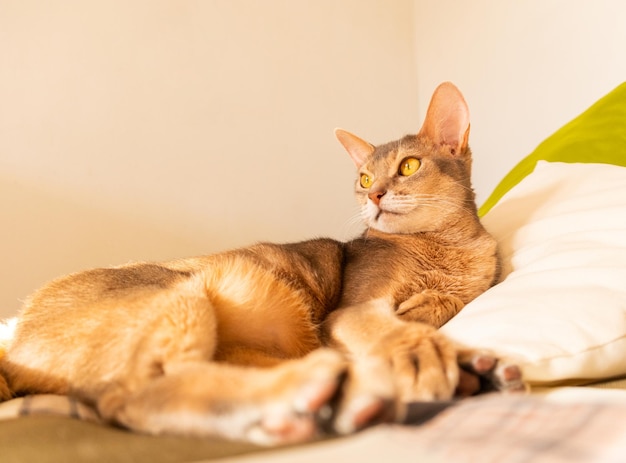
447	118
359	150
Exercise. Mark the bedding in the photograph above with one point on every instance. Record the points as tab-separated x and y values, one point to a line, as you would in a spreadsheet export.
565	424
559	311
492	428
560	220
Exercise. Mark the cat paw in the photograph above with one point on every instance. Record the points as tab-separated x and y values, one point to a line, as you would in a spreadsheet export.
336	398
422	360
430	307
305	404
417	308
367	397
482	372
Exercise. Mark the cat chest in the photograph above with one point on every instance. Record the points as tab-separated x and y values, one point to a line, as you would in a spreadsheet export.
400	271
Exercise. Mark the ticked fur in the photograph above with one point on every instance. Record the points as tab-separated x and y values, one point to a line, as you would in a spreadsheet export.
255	344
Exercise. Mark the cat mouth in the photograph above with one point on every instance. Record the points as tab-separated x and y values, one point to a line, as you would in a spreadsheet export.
382	211
376	214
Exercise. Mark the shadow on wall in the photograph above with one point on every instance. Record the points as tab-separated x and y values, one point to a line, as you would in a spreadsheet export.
46	234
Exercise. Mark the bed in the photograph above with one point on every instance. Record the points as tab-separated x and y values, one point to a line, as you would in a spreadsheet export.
559	312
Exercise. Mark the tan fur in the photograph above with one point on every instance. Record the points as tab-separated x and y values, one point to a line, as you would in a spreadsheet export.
236	344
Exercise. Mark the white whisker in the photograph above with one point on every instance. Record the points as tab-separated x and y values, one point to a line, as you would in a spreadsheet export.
445	205
353	226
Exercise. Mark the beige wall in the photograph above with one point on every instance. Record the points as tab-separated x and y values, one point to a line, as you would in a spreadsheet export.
152	129
525	67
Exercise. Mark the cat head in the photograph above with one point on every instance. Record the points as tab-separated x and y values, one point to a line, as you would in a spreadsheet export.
421	182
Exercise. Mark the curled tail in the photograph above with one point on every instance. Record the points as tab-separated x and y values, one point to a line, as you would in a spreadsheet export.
7	328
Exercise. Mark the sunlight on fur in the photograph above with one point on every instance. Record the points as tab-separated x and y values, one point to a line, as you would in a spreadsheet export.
282	343
7	330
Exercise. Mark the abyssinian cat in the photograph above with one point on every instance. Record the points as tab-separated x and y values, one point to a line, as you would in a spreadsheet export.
272	343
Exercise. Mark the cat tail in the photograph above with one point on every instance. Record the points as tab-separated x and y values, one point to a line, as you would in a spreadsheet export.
7	328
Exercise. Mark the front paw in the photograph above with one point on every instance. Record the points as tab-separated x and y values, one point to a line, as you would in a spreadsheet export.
423	362
430	307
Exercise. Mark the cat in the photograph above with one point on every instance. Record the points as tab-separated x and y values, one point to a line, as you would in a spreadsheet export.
278	343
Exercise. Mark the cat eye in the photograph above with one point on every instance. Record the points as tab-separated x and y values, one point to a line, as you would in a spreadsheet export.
366	181
409	166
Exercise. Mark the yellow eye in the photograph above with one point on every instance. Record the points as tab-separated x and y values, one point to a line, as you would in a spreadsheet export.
366	181
409	166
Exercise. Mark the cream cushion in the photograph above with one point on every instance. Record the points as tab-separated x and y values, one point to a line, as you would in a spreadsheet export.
560	310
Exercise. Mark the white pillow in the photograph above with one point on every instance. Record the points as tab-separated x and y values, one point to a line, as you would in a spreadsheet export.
560	312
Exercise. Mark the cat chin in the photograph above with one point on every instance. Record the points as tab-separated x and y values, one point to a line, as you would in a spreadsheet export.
399	224
391	222
388	222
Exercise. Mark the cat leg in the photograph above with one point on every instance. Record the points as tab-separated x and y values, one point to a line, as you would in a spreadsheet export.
431	307
5	392
421	361
479	371
266	406
368	396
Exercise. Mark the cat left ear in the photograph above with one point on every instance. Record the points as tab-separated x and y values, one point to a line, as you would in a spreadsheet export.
447	119
358	149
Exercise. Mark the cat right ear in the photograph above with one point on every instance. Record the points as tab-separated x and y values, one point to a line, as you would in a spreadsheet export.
447	119
358	149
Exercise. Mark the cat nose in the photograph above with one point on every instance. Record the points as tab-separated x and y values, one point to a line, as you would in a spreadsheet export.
376	196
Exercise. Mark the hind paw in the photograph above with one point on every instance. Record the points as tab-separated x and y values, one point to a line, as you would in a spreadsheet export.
483	372
332	400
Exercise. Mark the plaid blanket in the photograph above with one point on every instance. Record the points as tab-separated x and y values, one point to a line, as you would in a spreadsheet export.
490	428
